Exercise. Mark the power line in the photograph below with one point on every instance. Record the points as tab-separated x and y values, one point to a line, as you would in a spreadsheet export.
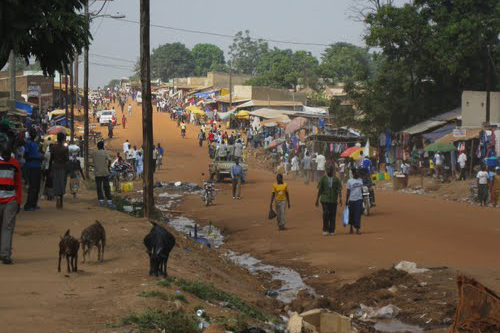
225	35
113	58
112	66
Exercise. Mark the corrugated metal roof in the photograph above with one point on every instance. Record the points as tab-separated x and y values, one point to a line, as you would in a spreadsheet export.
470	133
271	113
433	122
263	103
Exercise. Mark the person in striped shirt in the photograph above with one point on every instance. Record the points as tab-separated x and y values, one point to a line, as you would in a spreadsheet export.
10	197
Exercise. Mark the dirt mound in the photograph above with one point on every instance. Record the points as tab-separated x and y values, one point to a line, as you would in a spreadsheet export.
426	300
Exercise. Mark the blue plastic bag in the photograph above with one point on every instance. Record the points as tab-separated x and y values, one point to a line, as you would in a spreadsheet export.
345	215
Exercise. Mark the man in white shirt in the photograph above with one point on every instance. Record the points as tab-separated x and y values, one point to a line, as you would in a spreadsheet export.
438	163
126	147
482	184
462	159
320	166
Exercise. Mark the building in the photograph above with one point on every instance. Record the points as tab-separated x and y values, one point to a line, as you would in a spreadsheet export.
474	108
33	86
212	80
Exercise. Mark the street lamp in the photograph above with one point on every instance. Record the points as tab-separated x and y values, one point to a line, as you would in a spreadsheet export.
89	17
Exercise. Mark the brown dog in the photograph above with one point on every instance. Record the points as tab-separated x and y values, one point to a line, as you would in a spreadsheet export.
93	235
69	246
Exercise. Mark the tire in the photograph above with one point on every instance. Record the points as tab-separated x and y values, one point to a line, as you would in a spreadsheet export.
130	176
366	202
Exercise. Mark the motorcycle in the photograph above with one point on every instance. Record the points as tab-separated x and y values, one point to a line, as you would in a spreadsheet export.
208	196
125	171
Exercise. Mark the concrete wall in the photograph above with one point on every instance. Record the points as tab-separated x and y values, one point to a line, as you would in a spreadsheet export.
243	92
221	80
474	108
22	82
265	93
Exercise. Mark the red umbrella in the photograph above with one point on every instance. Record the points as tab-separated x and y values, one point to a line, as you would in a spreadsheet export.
349	151
275	143
295	124
57	129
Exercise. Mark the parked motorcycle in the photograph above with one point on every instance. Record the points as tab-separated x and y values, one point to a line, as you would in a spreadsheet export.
208	192
125	171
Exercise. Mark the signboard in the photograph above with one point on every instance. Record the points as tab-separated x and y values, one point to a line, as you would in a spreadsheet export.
34	91
459	133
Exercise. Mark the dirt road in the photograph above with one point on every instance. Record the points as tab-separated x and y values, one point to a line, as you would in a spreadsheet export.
429	231
35	297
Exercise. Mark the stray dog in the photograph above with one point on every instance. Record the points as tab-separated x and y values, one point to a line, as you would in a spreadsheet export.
93	235
69	247
159	242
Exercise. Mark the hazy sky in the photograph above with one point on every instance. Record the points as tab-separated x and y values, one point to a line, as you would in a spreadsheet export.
312	21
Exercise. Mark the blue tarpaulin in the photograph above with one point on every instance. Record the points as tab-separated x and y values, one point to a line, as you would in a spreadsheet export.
440	132
24	106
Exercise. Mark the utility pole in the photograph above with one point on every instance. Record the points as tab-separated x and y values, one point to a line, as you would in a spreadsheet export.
72	94
230	86
12	80
66	97
60	90
86	97
76	82
147	110
488	84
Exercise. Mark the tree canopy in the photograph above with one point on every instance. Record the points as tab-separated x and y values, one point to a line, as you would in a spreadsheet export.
172	60
285	69
344	61
246	52
51	31
430	51
207	57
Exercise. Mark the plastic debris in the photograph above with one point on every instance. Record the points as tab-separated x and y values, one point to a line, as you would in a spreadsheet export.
178	184
409	267
128	209
386	312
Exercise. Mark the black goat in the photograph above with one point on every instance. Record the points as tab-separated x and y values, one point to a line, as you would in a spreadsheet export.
159	242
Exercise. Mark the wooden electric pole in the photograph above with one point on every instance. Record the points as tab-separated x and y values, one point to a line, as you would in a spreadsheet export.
76	70
86	97
147	111
72	101
66	114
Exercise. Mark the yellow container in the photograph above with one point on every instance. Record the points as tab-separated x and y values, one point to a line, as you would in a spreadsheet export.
374	177
387	175
127	187
112	186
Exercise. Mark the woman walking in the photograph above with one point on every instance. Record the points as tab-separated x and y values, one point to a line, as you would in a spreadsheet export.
59	158
355	200
280	193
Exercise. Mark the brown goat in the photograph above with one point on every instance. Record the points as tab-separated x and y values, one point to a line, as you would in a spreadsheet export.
69	246
93	235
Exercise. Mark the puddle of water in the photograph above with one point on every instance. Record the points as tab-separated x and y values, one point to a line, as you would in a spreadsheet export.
291	280
394	325
185	225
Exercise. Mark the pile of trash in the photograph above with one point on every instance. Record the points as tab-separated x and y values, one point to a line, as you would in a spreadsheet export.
178	185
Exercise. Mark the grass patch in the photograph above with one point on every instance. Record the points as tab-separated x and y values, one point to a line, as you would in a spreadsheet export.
162	295
209	292
153	293
166	321
166	282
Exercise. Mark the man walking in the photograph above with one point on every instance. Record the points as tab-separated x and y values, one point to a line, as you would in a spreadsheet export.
238	150
110	129
33	167
329	189
129	110
124	120
306	165
10	197
237	175
462	160
102	160
201	137
159	156
320	166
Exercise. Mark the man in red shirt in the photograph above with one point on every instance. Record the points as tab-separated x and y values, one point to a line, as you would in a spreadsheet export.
10	197
124	120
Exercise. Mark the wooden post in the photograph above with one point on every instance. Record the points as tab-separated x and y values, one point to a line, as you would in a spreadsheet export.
471	157
72	94
66	98
147	109
86	98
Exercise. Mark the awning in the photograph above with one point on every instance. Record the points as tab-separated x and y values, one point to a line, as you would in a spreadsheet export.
271	113
439	132
284	119
423	126
314	111
470	133
264	103
295	124
225	115
28	107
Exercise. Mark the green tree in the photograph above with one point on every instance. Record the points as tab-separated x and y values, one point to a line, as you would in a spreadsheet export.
113	83
246	52
51	31
285	69
207	57
430	52
344	61
172	60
